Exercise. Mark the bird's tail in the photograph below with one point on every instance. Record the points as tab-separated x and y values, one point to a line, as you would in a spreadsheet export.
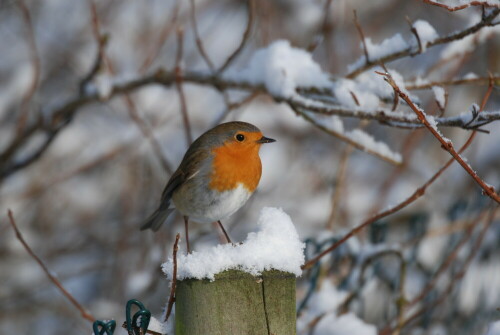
156	219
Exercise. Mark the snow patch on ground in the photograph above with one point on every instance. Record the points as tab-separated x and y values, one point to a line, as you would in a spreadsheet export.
275	246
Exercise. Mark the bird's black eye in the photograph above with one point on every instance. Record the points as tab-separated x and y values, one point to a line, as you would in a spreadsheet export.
240	137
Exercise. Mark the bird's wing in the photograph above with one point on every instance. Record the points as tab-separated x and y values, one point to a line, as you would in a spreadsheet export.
175	181
188	169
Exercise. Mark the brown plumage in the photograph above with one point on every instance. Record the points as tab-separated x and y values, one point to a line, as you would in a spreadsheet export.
217	175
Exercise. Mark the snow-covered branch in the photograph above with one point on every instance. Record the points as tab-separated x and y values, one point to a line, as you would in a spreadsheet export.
396	47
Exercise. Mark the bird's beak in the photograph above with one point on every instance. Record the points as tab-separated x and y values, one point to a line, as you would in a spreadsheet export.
264	139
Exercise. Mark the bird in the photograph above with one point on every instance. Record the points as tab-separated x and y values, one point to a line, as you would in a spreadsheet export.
219	172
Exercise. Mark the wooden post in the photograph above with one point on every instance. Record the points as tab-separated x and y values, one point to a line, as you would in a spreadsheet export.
236	303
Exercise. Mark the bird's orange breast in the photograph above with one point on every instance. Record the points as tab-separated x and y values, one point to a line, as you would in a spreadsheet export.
236	163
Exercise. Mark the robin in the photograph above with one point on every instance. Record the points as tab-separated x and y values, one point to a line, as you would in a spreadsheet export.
217	175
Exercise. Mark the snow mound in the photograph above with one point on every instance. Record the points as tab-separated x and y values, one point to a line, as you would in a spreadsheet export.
281	68
275	246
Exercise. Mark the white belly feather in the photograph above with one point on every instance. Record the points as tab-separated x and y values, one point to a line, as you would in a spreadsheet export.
215	205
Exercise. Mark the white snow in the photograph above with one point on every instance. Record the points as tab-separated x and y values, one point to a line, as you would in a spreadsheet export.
281	68
138	281
439	95
468	116
366	141
376	51
367	99
104	85
324	304
344	324
369	143
432	121
275	246
389	45
470	75
469	43
159	326
480	290
326	299
494	328
426	33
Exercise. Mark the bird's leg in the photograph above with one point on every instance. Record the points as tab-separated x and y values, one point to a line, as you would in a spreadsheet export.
224	231
186	221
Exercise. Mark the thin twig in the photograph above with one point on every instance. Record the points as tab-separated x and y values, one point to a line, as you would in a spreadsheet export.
246	35
167	28
415	33
454	82
232	106
361	36
324	28
343	137
199	42
339	186
180	90
485	22
101	40
148	134
446	144
83	311
456	277
171	299
459	7
35	61
417	194
448	261
143	126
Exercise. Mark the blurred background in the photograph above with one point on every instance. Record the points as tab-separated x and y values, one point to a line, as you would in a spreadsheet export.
79	204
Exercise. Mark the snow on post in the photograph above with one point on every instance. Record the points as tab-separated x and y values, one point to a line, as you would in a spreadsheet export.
241	289
276	246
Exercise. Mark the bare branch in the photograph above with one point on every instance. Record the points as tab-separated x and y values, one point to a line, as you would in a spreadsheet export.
83	311
164	34
417	194
456	277
445	143
35	63
180	90
171	299
199	42
467	235
102	41
361	36
246	35
339	186
148	133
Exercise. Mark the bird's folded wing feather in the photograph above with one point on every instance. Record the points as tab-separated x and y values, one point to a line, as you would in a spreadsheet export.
188	169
